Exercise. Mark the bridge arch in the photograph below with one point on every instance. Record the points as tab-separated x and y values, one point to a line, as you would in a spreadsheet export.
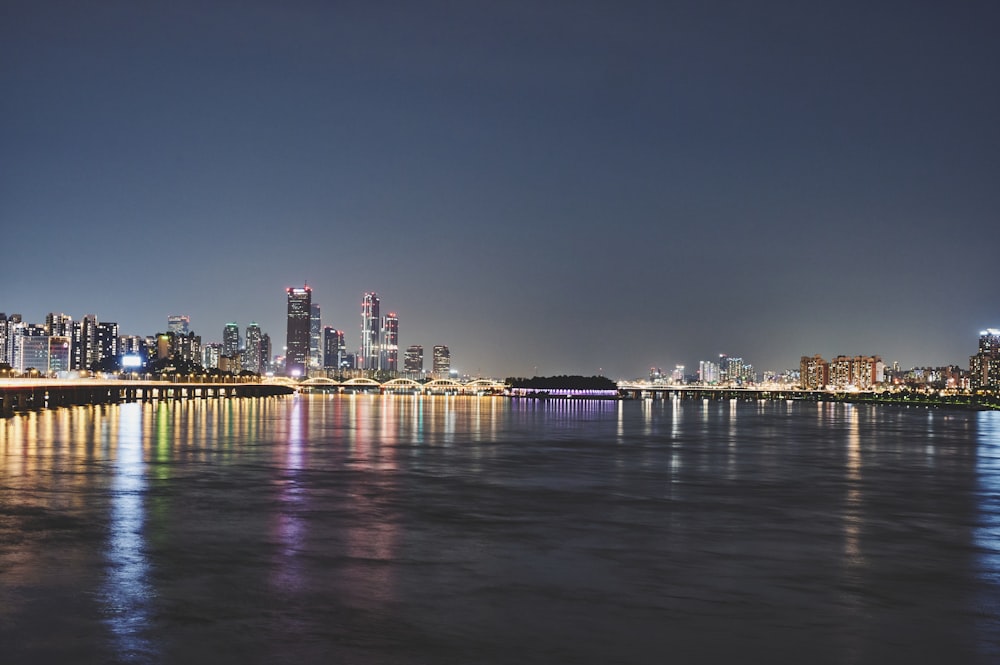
402	385
319	381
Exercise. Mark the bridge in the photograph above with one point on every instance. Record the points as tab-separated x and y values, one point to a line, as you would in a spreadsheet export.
18	395
391	386
637	390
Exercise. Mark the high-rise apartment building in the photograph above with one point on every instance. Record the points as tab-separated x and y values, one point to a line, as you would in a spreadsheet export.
814	372
4	356
91	350
231	340
334	348
179	324
370	333
841	373
984	367
187	348
330	360
210	355
252	358
58	324
297	336
83	344
134	345
315	337
107	344
708	373
266	364
390	342
413	359
739	373
442	361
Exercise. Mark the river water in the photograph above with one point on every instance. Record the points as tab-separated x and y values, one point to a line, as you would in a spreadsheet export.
368	529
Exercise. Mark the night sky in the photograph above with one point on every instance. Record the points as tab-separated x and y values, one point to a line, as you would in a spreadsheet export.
546	187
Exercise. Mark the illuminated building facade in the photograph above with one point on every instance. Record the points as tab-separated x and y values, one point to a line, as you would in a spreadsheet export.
265	354
390	342
179	324
210	355
442	361
4	356
82	342
253	358
32	353
841	373
231	340
334	348
708	372
984	367
58	324
59	353
315	337
370	333
413	359
107	344
814	372
297	338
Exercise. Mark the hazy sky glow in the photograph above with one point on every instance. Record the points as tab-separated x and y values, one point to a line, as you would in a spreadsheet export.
553	189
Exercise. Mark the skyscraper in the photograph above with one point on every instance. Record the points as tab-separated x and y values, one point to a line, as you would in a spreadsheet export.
231	340
297	337
333	348
390	342
413	359
370	356
252	356
179	324
315	337
265	353
442	361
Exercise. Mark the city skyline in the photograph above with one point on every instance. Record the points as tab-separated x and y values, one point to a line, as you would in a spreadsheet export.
302	317
563	188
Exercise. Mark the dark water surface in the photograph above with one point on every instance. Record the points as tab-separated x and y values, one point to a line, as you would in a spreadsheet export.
376	530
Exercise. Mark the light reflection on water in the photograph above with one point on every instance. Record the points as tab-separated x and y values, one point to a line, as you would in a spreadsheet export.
403	529
987	533
127	592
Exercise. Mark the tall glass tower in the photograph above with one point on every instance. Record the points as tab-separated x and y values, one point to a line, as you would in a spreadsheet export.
230	340
297	339
252	356
370	332
315	337
390	342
